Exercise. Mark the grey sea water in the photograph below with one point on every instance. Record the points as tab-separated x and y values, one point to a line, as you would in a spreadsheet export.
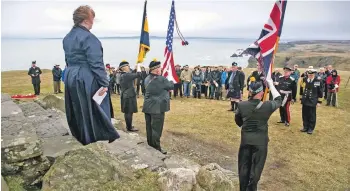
17	54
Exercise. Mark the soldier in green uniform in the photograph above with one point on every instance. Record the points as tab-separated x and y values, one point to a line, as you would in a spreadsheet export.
128	94
156	103
311	96
252	116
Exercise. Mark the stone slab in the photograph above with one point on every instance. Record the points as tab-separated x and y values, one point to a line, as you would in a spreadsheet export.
56	146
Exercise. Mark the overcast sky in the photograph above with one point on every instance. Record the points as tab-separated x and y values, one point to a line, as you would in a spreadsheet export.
201	18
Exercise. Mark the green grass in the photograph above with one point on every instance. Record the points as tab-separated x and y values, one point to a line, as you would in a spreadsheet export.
296	161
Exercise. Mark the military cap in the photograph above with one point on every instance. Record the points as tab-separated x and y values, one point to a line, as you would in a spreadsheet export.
234	64
34	62
154	64
287	68
256	87
311	71
123	64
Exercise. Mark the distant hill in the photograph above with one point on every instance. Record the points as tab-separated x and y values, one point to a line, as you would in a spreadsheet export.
312	53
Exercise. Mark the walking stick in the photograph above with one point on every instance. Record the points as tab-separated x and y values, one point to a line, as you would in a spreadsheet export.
347	82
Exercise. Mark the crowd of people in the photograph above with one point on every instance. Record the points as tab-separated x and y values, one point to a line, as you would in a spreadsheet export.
89	121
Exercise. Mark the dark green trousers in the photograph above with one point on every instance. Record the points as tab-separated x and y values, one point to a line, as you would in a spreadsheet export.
154	129
251	161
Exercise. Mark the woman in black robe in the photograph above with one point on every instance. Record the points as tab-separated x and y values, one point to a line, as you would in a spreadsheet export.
85	75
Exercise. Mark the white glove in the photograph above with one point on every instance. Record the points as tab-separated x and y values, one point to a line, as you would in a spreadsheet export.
336	86
138	68
273	90
275	83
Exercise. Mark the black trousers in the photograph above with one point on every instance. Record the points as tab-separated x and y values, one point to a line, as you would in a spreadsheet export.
36	89
332	97
118	88
204	90
251	161
128	120
177	89
154	129
138	87
309	117
285	112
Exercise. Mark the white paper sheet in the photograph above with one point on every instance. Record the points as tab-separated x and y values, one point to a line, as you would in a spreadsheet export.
98	99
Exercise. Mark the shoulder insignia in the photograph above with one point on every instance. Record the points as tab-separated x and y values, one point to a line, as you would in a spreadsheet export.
317	84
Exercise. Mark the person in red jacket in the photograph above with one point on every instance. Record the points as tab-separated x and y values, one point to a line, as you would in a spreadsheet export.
333	82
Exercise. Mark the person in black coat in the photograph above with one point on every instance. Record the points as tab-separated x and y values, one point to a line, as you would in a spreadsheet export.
156	103
35	72
57	75
310	100
128	94
234	84
215	81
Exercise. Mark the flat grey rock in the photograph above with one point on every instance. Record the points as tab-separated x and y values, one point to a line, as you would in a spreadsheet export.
5	97
9	108
15	148
59	145
134	151
176	161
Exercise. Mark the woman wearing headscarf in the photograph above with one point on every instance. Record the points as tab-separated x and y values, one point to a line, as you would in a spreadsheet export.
85	75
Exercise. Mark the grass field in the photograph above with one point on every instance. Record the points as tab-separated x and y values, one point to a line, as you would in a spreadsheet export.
204	131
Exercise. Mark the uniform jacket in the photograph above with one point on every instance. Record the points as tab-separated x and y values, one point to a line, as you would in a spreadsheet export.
36	72
285	85
126	84
331	81
237	83
186	76
312	92
57	74
157	98
255	128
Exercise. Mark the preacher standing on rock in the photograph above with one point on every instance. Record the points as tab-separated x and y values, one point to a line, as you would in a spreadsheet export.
85	75
252	116
156	103
35	72
128	94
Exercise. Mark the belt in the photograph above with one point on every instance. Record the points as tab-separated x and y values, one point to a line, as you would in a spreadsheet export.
286	93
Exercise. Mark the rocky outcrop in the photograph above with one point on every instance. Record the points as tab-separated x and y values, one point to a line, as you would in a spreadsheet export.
37	148
212	177
93	164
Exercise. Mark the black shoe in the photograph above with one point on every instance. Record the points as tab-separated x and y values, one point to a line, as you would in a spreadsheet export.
164	152
303	130
133	129
112	140
281	122
310	132
286	124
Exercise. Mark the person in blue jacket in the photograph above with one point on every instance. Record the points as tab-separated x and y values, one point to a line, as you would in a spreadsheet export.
86	75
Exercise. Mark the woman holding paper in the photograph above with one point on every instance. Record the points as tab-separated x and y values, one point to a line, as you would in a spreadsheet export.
88	108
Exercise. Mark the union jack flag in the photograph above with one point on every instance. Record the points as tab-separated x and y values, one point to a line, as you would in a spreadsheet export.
168	65
264	48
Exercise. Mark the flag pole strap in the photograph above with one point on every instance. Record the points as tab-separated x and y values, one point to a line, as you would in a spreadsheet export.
272	64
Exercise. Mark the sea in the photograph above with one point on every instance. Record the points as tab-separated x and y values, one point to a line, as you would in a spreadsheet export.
17	54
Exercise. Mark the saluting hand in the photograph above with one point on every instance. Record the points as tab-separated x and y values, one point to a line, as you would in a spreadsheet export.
102	91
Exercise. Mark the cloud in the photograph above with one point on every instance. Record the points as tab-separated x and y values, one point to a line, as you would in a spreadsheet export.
195	18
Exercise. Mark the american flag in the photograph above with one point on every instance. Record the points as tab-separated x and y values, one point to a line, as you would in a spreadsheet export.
264	48
168	65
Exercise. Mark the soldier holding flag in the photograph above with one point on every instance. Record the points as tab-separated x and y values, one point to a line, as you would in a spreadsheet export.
156	103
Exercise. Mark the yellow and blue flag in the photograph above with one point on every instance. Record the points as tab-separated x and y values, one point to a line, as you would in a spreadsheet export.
144	38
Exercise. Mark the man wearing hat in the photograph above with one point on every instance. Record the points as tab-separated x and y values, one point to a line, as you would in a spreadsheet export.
156	103
35	72
310	100
287	87
252	116
234	84
258	76
178	86
57	74
197	79
128	94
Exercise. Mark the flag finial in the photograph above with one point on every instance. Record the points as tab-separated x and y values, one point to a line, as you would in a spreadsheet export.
155	59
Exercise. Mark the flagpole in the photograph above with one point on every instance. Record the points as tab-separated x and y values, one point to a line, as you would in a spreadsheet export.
272	64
